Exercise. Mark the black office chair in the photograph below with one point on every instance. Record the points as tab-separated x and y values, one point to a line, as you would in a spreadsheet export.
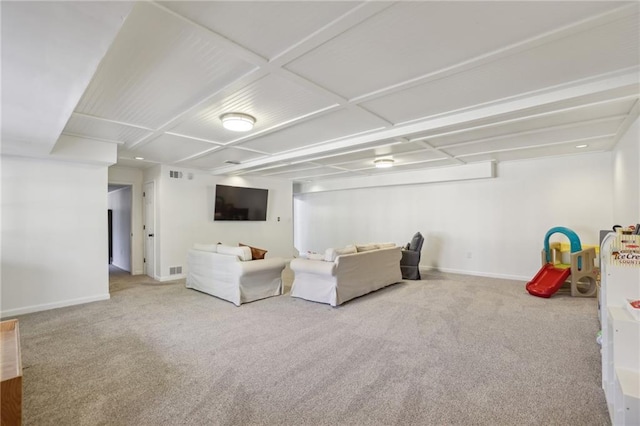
410	262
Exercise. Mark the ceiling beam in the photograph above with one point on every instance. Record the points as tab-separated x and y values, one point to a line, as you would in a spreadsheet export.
627	83
628	121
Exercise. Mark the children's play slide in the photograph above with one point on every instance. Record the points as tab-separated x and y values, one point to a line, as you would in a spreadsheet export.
548	280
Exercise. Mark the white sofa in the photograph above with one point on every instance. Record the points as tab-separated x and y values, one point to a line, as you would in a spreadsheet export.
230	274
347	273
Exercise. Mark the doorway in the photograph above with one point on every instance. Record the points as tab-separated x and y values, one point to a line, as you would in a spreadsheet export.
119	204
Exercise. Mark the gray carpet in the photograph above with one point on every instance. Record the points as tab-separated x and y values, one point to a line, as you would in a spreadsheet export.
448	350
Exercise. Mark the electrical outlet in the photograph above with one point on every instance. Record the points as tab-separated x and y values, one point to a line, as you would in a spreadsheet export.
469	255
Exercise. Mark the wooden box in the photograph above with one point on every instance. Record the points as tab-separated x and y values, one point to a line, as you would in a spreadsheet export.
10	374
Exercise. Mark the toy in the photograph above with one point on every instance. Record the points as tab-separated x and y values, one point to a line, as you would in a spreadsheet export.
554	273
630	230
633	307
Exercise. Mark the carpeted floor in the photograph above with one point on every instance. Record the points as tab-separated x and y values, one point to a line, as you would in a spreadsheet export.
448	350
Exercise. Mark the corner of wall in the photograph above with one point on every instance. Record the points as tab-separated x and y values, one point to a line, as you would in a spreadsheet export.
625	164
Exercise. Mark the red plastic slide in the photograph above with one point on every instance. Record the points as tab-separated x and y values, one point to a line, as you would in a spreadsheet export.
547	281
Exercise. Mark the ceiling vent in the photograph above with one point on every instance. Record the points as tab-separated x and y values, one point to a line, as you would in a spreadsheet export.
231	162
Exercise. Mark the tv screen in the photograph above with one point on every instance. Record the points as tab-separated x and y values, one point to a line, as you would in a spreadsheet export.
237	203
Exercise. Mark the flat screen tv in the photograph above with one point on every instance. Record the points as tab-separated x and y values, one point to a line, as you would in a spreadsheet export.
238	203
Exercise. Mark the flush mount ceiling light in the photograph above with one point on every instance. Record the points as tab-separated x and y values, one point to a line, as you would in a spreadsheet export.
237	121
582	146
383	163
139	158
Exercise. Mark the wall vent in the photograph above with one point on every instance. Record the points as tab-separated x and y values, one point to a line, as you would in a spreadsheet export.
175	270
175	174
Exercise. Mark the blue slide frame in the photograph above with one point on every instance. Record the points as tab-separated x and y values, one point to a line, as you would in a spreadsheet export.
573	239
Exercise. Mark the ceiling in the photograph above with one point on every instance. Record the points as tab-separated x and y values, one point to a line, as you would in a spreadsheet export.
332	85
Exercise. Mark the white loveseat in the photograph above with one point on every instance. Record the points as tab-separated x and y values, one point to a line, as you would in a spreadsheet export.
344	274
230	274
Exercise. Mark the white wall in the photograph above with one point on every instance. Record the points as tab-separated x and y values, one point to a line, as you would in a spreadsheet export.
54	235
129	176
626	177
119	201
185	216
492	227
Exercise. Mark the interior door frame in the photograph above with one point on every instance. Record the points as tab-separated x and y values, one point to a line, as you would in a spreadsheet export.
145	186
110	233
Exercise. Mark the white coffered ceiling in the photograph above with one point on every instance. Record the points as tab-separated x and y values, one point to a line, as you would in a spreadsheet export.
333	85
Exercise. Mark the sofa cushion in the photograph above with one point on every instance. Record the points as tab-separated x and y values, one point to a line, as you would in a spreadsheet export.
213	248
243	253
311	255
366	247
330	254
256	253
386	245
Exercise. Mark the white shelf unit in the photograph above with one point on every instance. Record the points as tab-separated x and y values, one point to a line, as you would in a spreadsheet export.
620	338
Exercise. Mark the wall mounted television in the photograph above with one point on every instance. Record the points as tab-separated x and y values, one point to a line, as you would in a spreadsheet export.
238	203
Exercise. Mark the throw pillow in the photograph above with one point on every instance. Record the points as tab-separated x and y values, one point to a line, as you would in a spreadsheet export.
256	253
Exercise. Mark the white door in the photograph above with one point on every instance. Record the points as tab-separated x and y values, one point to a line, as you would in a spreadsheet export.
149	229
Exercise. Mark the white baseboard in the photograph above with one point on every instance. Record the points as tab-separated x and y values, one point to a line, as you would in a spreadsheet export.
55	305
477	273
